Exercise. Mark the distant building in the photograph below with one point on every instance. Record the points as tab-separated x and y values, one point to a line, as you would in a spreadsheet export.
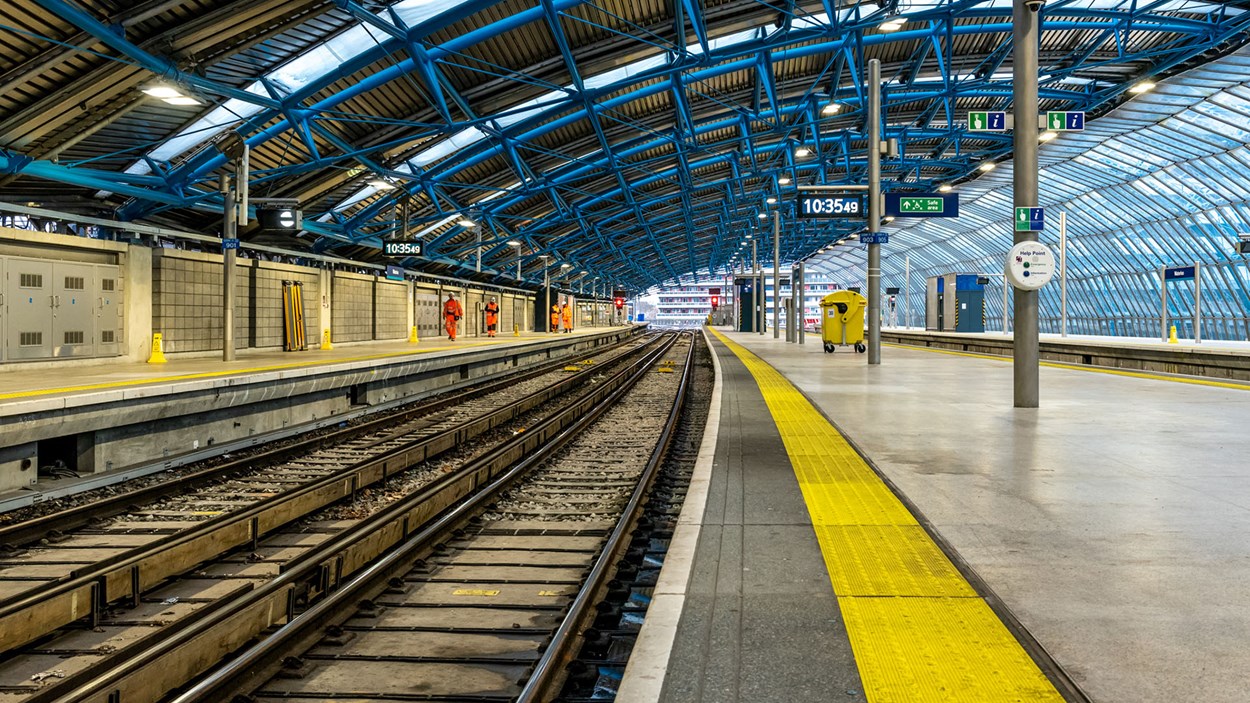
689	302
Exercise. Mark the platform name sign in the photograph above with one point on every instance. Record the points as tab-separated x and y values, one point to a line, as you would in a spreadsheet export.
832	206
1030	265
401	249
394	273
1180	273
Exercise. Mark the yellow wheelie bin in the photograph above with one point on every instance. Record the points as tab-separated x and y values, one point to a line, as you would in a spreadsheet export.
842	320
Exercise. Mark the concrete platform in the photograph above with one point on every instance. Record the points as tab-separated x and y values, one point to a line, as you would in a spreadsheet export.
1112	521
125	416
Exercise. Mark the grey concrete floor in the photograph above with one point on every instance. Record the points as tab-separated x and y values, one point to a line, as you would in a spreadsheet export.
1114	521
760	622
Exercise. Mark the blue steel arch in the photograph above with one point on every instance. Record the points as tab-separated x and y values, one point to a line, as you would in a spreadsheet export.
614	211
1158	182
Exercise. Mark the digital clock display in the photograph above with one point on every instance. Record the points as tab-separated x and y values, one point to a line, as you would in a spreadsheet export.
832	205
401	248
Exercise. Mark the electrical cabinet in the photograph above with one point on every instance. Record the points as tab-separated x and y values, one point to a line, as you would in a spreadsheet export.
57	309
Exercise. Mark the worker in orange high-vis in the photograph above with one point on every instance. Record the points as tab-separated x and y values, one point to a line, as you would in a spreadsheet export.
451	313
492	317
566	312
555	317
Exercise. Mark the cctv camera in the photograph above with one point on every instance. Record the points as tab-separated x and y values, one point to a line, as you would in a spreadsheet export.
1034	5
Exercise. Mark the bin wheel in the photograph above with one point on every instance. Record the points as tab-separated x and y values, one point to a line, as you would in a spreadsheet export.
828	348
860	348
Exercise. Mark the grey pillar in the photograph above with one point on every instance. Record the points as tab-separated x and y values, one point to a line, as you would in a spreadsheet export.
546	298
1024	93
874	210
229	230
776	274
801	280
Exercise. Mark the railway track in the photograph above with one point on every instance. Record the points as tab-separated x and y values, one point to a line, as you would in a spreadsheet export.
137	553
560	487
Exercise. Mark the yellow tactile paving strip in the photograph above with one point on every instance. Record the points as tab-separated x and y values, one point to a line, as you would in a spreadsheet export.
919	632
229	372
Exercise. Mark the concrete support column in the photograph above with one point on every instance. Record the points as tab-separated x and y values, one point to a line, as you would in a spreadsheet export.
776	274
228	231
137	297
325	313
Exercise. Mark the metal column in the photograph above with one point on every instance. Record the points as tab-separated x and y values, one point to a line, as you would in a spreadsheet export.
229	230
801	282
1163	302
907	289
874	210
1063	274
776	274
1024	49
1197	303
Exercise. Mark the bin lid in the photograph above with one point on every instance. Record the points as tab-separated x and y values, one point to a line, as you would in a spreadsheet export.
849	297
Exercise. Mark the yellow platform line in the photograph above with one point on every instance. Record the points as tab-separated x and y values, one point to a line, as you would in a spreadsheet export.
919	632
232	372
1081	367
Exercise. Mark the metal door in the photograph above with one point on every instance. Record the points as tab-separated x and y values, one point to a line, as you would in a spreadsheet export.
28	304
73	309
110	313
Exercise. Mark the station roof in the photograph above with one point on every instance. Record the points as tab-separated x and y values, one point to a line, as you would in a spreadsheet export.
633	140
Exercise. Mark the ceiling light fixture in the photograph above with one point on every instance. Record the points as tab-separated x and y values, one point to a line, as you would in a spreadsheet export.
380	184
181	100
1047	136
891	25
466	222
162	91
770	200
1142	87
831	108
515	243
988	166
784	180
802	151
944	188
762	215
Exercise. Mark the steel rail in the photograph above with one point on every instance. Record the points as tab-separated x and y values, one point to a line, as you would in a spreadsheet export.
147	674
548	672
90	590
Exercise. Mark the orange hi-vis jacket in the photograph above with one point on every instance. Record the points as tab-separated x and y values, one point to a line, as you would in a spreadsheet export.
492	313
555	317
567	313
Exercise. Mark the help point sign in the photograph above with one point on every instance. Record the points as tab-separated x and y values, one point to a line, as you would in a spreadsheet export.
1030	265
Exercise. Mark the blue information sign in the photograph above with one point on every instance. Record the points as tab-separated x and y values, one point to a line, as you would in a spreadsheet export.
877	238
394	273
922	204
1179	273
229	244
1030	219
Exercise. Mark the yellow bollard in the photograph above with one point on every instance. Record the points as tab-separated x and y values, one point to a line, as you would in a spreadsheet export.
325	341
516	330
158	350
1172	337
412	336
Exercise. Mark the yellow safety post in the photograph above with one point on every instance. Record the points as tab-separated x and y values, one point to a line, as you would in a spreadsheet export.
325	341
158	350
1172	336
412	336
516	330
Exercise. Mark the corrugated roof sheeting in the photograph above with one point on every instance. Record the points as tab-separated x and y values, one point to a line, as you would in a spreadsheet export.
498	87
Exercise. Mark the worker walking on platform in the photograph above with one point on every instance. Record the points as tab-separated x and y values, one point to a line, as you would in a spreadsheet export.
555	317
566	312
492	317
452	312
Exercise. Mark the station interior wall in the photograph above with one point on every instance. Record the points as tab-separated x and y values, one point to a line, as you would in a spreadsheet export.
178	293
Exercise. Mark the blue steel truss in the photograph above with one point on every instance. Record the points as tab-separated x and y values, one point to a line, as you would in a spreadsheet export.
1158	182
655	198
